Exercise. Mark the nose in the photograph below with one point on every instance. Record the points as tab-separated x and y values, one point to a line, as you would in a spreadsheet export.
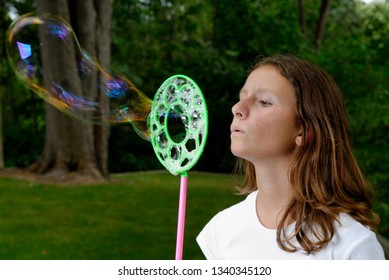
238	110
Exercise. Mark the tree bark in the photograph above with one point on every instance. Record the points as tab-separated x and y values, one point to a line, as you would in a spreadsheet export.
325	5
76	149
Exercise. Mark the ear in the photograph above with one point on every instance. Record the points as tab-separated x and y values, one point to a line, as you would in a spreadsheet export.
301	138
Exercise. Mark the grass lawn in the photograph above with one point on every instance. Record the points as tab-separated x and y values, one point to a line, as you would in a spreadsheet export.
132	217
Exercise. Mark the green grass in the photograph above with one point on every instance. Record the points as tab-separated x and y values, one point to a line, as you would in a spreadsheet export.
132	217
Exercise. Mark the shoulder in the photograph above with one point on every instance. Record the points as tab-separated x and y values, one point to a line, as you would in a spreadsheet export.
355	241
348	226
224	225
237	212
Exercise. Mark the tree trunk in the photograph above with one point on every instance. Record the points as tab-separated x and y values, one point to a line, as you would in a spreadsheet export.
76	149
325	5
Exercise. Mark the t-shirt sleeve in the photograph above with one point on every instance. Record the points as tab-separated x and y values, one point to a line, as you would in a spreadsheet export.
208	242
366	248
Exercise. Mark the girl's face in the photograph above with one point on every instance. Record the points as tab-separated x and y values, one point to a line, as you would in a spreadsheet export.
264	124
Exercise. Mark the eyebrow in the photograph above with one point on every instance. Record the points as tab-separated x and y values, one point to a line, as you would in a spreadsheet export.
243	91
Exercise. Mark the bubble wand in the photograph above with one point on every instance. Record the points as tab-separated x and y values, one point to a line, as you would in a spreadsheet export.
176	122
178	125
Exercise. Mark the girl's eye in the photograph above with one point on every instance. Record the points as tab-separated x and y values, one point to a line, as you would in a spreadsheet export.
264	103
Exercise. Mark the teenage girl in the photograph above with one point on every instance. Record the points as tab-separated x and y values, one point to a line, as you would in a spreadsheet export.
307	197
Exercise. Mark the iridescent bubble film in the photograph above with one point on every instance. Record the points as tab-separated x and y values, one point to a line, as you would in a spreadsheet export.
28	42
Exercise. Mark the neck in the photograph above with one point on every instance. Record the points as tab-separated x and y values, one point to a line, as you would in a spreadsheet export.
274	192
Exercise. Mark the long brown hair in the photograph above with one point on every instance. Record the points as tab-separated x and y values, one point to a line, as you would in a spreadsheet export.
324	174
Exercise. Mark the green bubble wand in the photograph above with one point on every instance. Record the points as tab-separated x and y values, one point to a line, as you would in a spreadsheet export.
178	147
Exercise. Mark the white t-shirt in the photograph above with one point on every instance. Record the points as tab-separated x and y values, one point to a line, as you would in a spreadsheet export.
236	233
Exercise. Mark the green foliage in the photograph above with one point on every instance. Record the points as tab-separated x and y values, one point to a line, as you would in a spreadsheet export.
24	127
128	152
358	62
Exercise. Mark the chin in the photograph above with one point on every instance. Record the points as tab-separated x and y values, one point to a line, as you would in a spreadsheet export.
238	152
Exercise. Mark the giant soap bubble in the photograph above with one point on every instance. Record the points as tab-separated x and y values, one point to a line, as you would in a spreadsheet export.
28	39
176	122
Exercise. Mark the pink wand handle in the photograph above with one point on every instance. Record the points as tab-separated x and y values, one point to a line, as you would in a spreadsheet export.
181	216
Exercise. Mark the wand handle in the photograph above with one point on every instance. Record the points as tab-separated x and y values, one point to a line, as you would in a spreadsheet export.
181	216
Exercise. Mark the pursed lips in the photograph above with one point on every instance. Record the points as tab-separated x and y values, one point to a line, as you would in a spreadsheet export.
236	129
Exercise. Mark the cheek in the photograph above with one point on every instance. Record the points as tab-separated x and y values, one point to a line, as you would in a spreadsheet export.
276	129
259	132
263	127
287	132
